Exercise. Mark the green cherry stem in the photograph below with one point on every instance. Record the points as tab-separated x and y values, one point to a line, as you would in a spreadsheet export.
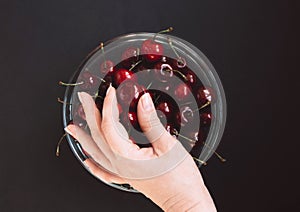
200	161
70	84
58	144
203	106
63	102
102	49
193	141
134	65
170	29
179	59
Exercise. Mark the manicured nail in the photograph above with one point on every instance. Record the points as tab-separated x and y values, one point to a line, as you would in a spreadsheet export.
108	88
70	130
80	97
147	102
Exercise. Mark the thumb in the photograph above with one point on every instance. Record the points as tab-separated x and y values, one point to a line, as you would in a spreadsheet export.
150	124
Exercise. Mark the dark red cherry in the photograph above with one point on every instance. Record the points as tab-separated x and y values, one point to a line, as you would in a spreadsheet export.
205	119
128	91
104	86
165	107
132	117
185	116
130	56
106	67
171	129
182	91
204	95
152	50
121	75
163	71
191	77
89	81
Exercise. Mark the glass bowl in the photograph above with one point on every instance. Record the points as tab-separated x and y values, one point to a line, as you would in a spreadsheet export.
179	54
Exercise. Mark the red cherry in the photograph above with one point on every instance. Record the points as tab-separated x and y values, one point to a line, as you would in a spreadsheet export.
106	67
185	116
191	77
127	92
163	71
152	50
132	116
172	130
205	119
89	81
204	95
123	74
130	57
182	91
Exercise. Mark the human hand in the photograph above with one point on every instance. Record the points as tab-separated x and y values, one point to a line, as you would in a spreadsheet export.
165	172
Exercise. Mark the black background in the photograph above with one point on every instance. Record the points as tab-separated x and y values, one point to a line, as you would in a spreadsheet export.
253	46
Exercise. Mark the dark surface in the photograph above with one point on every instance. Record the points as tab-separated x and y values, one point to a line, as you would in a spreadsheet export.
253	46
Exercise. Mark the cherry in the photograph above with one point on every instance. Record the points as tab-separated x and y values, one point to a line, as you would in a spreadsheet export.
152	50
191	78
185	116
166	107
163	71
121	75
128	91
205	119
104	86
182	91
106	67
89	81
172	130
132	117
130	56
204	95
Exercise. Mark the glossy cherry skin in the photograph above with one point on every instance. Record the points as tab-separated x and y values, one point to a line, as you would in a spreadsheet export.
90	81
130	56
204	95
152	50
122	75
127	92
163	71
185	116
106	67
182	92
205	119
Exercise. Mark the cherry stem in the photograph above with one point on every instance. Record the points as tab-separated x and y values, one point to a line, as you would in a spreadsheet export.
171	44
102	49
203	106
58	144
193	141
134	65
157	98
181	74
170	29
70	84
200	161
150	84
63	102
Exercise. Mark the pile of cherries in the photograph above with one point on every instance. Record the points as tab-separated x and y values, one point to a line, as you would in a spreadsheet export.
169	81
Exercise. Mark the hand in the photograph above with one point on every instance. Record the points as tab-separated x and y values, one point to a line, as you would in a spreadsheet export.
165	172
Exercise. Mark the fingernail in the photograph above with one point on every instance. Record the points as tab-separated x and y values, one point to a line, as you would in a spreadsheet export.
80	97
108	88
70	130
147	102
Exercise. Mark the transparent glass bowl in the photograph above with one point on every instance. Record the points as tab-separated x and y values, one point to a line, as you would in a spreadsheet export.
194	59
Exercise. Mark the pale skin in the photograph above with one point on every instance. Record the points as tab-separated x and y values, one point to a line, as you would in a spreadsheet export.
179	189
